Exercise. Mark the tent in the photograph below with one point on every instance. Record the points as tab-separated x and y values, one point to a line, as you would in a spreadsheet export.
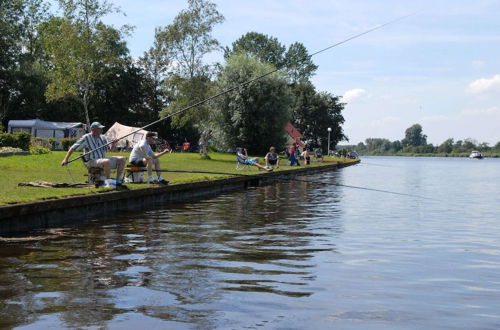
118	130
47	129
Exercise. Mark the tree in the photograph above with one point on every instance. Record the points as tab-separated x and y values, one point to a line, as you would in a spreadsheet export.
254	116
299	65
414	136
260	46
446	146
189	39
81	48
296	60
23	66
314	113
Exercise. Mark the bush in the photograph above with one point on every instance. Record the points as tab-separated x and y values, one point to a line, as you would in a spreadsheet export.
49	143
7	140
9	150
67	143
20	140
37	150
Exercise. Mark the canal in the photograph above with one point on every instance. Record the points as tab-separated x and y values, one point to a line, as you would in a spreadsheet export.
292	255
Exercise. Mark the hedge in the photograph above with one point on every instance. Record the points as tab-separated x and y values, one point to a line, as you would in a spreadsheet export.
67	143
20	140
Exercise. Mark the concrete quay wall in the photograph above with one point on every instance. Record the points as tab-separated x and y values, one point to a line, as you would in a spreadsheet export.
22	218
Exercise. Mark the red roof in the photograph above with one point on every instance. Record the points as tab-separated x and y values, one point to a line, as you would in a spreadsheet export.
294	134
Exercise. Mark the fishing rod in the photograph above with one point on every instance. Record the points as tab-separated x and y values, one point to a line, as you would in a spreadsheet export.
295	179
239	86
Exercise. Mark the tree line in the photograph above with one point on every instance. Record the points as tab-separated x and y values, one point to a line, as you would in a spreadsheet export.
75	67
415	143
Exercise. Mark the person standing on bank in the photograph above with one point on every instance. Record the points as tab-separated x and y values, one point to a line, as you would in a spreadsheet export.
97	142
292	155
142	155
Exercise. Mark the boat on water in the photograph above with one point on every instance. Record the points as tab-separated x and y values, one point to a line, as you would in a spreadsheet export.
476	155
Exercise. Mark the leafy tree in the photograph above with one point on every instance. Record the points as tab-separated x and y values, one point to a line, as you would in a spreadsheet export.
299	65
156	65
121	96
314	112
414	136
446	146
264	48
255	116
81	48
396	146
469	144
188	39
19	56
497	146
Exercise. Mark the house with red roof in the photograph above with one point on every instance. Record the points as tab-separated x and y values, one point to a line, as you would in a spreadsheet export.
294	135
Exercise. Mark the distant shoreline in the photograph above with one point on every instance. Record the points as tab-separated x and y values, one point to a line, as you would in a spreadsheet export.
486	155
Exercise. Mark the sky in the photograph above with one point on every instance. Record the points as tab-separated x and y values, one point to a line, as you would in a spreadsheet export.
439	68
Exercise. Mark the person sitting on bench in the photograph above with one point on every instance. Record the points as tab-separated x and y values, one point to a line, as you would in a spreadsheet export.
242	156
142	155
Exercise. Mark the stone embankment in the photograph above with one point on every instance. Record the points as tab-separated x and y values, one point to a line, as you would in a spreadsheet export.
22	218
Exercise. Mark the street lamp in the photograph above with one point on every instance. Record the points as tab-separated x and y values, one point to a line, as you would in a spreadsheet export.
328	151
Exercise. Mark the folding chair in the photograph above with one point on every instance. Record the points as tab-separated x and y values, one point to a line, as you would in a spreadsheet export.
241	164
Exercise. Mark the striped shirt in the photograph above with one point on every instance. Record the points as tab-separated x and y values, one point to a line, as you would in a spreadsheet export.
88	142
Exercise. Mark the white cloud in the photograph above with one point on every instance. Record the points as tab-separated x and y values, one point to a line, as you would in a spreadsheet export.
487	111
485	85
353	94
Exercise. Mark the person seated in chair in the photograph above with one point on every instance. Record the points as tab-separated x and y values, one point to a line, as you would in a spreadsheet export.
96	142
242	156
272	158
142	155
318	154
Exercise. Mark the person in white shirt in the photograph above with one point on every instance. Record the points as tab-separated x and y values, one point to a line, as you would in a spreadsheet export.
143	155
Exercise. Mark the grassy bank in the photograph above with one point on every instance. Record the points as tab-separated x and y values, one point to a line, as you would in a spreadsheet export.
16	169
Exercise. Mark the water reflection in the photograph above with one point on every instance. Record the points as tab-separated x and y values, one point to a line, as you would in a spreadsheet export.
174	265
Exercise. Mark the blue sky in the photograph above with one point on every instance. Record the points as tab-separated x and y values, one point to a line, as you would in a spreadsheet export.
439	68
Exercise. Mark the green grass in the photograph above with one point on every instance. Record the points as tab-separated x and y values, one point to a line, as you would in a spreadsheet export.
16	169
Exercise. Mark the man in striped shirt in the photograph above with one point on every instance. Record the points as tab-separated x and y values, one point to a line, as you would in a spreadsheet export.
95	142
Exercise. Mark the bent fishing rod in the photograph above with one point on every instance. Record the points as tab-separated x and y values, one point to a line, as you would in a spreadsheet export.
240	86
278	178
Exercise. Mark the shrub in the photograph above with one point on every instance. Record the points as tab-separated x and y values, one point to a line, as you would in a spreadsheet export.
37	150
16	140
67	143
49	143
9	150
7	140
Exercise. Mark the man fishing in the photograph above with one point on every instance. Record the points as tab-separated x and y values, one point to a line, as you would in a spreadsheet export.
142	155
97	143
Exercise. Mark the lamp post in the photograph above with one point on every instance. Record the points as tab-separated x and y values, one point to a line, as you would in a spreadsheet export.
328	151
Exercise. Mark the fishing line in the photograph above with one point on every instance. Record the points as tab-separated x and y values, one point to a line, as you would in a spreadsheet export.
299	180
71	175
239	86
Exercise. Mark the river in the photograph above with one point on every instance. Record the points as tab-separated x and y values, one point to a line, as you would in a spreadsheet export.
293	255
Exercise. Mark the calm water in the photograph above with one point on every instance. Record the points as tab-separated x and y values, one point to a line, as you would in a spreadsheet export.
295	255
